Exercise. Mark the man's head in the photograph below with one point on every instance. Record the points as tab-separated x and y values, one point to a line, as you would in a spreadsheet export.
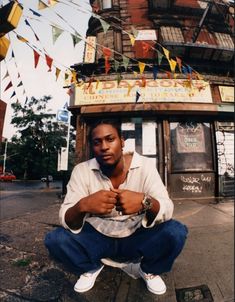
106	142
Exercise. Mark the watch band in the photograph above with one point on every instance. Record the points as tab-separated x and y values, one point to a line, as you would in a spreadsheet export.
147	203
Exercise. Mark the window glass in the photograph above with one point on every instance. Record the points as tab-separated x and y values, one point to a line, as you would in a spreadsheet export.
107	4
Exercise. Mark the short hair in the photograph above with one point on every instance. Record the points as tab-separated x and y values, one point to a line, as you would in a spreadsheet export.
115	123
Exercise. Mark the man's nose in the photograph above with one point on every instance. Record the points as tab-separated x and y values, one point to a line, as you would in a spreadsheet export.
104	145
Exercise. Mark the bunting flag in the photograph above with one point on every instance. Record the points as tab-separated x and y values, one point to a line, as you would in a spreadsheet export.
6	75
56	32
143	82
35	13
18	76
21	38
8	86
179	62
20	84
129	89
76	39
49	61
125	62
132	38
135	74
159	57
105	25
146	47
116	65
169	74
13	94
141	67
155	72
12	54
134	31
166	52
36	58
74	77
172	64
26	101
107	53
119	78
97	84
52	3
137	96
57	73
41	5
89	83
65	105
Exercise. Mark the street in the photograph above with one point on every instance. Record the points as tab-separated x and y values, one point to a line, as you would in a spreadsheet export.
18	198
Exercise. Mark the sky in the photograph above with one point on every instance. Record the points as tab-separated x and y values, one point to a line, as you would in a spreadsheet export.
70	17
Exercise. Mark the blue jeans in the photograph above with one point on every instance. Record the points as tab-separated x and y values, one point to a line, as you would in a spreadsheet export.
157	247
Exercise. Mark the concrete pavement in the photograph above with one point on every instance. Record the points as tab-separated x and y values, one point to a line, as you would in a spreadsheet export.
203	271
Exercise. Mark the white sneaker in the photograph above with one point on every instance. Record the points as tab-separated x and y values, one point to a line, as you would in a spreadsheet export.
87	280
154	283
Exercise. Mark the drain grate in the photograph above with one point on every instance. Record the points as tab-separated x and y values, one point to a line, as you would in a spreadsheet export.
199	293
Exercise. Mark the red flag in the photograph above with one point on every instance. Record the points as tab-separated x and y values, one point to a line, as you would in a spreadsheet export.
49	61
107	53
36	58
169	74
143	81
8	86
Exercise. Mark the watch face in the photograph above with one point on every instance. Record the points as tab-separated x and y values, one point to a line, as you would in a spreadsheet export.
147	203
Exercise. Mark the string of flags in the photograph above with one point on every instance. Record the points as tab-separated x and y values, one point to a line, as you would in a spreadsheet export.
127	63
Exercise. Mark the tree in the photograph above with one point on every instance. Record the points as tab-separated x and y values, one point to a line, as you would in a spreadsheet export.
39	137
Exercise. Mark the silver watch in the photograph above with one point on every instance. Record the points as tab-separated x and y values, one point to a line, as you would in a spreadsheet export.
147	203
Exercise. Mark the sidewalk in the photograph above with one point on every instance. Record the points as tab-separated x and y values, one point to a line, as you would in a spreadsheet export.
27	274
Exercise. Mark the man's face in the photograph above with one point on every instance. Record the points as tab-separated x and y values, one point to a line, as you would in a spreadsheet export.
107	145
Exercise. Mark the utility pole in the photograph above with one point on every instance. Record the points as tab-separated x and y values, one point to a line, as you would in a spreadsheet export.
5	156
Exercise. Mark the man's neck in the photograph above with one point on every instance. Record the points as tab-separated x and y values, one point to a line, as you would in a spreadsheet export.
115	170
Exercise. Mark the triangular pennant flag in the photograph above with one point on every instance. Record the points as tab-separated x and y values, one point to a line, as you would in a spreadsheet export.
169	74
134	31
135	74
8	86
52	2
36	58
13	94
141	67
146	47
65	105
107	53
18	75
105	25
129	89
27	22
12	54
172	64
132	38
26	100
20	84
56	32
97	84
159	57
41	5
76	40
166	52
74	78
137	96
57	73
21	38
125	62
6	75
179	62
49	61
143	82
36	37
119	78
116	65
155	72
35	13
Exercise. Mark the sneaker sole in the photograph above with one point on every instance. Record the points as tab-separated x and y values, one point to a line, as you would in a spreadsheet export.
87	288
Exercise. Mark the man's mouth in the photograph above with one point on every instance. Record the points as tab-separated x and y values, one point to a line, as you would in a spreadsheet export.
106	156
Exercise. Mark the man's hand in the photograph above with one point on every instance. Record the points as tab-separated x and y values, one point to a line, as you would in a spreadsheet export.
128	202
101	202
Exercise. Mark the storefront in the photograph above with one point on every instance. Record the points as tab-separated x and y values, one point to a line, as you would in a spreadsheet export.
174	124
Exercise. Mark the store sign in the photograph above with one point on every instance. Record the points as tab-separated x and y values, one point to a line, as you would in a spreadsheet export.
90	50
160	90
227	94
147	35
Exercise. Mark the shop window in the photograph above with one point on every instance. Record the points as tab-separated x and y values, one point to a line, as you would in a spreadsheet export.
172	34
191	147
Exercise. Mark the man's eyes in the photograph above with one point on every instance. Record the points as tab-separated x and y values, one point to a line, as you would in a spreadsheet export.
108	139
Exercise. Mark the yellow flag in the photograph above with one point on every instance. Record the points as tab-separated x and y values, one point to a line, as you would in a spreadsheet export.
132	38
41	5
135	74
172	65
97	84
141	67
73	79
57	73
22	39
166	52
129	89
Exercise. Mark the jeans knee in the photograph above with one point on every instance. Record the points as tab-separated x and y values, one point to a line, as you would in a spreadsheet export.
176	233
55	239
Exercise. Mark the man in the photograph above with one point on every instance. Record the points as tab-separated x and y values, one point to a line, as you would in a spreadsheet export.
116	207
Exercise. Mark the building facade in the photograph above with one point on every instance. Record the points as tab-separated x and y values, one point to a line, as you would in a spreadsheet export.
165	68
